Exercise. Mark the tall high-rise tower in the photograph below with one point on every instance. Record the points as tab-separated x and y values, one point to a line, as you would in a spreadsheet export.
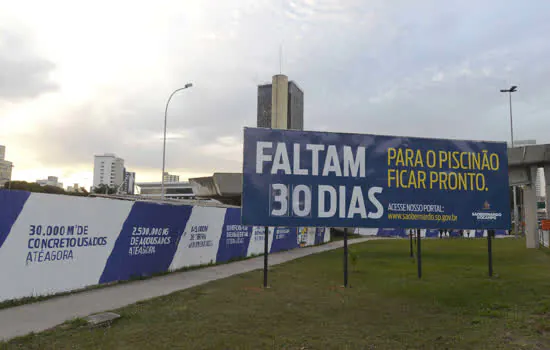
280	104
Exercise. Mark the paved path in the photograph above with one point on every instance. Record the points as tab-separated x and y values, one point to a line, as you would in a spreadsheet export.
46	314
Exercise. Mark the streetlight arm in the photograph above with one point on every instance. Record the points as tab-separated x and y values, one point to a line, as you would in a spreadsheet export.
168	102
164	138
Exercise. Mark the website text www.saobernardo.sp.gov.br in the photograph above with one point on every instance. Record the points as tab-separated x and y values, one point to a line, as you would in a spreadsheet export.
425	217
399	211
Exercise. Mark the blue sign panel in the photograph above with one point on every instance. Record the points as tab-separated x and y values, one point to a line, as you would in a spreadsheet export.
235	237
285	238
432	233
12	203
299	178
148	241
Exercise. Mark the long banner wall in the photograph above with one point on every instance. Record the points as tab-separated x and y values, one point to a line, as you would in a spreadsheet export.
51	244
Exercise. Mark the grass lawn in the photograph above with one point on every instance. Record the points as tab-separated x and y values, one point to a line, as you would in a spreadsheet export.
454	306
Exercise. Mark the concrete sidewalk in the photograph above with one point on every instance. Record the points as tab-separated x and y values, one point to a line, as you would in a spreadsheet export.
36	317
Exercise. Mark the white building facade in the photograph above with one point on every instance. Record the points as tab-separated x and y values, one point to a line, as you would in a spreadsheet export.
108	170
73	188
173	190
5	167
50	181
129	182
171	178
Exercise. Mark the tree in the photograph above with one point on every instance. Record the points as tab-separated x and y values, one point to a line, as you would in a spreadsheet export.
104	189
34	187
53	189
24	186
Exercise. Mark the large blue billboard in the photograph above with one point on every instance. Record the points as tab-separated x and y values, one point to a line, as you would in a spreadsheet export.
300	178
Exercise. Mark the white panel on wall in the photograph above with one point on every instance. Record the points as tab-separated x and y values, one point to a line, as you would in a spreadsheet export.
311	236
200	241
367	231
59	243
326	239
256	245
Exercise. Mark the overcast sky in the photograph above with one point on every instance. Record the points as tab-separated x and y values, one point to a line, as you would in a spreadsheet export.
83	78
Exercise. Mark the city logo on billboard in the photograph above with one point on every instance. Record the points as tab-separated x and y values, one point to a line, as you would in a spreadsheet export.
486	214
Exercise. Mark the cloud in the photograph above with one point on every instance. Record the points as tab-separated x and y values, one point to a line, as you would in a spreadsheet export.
399	67
136	135
23	74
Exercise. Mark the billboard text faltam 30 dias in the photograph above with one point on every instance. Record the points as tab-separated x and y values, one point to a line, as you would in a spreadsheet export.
297	178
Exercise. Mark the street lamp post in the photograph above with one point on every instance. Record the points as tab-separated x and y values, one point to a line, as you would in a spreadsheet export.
509	92
188	85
